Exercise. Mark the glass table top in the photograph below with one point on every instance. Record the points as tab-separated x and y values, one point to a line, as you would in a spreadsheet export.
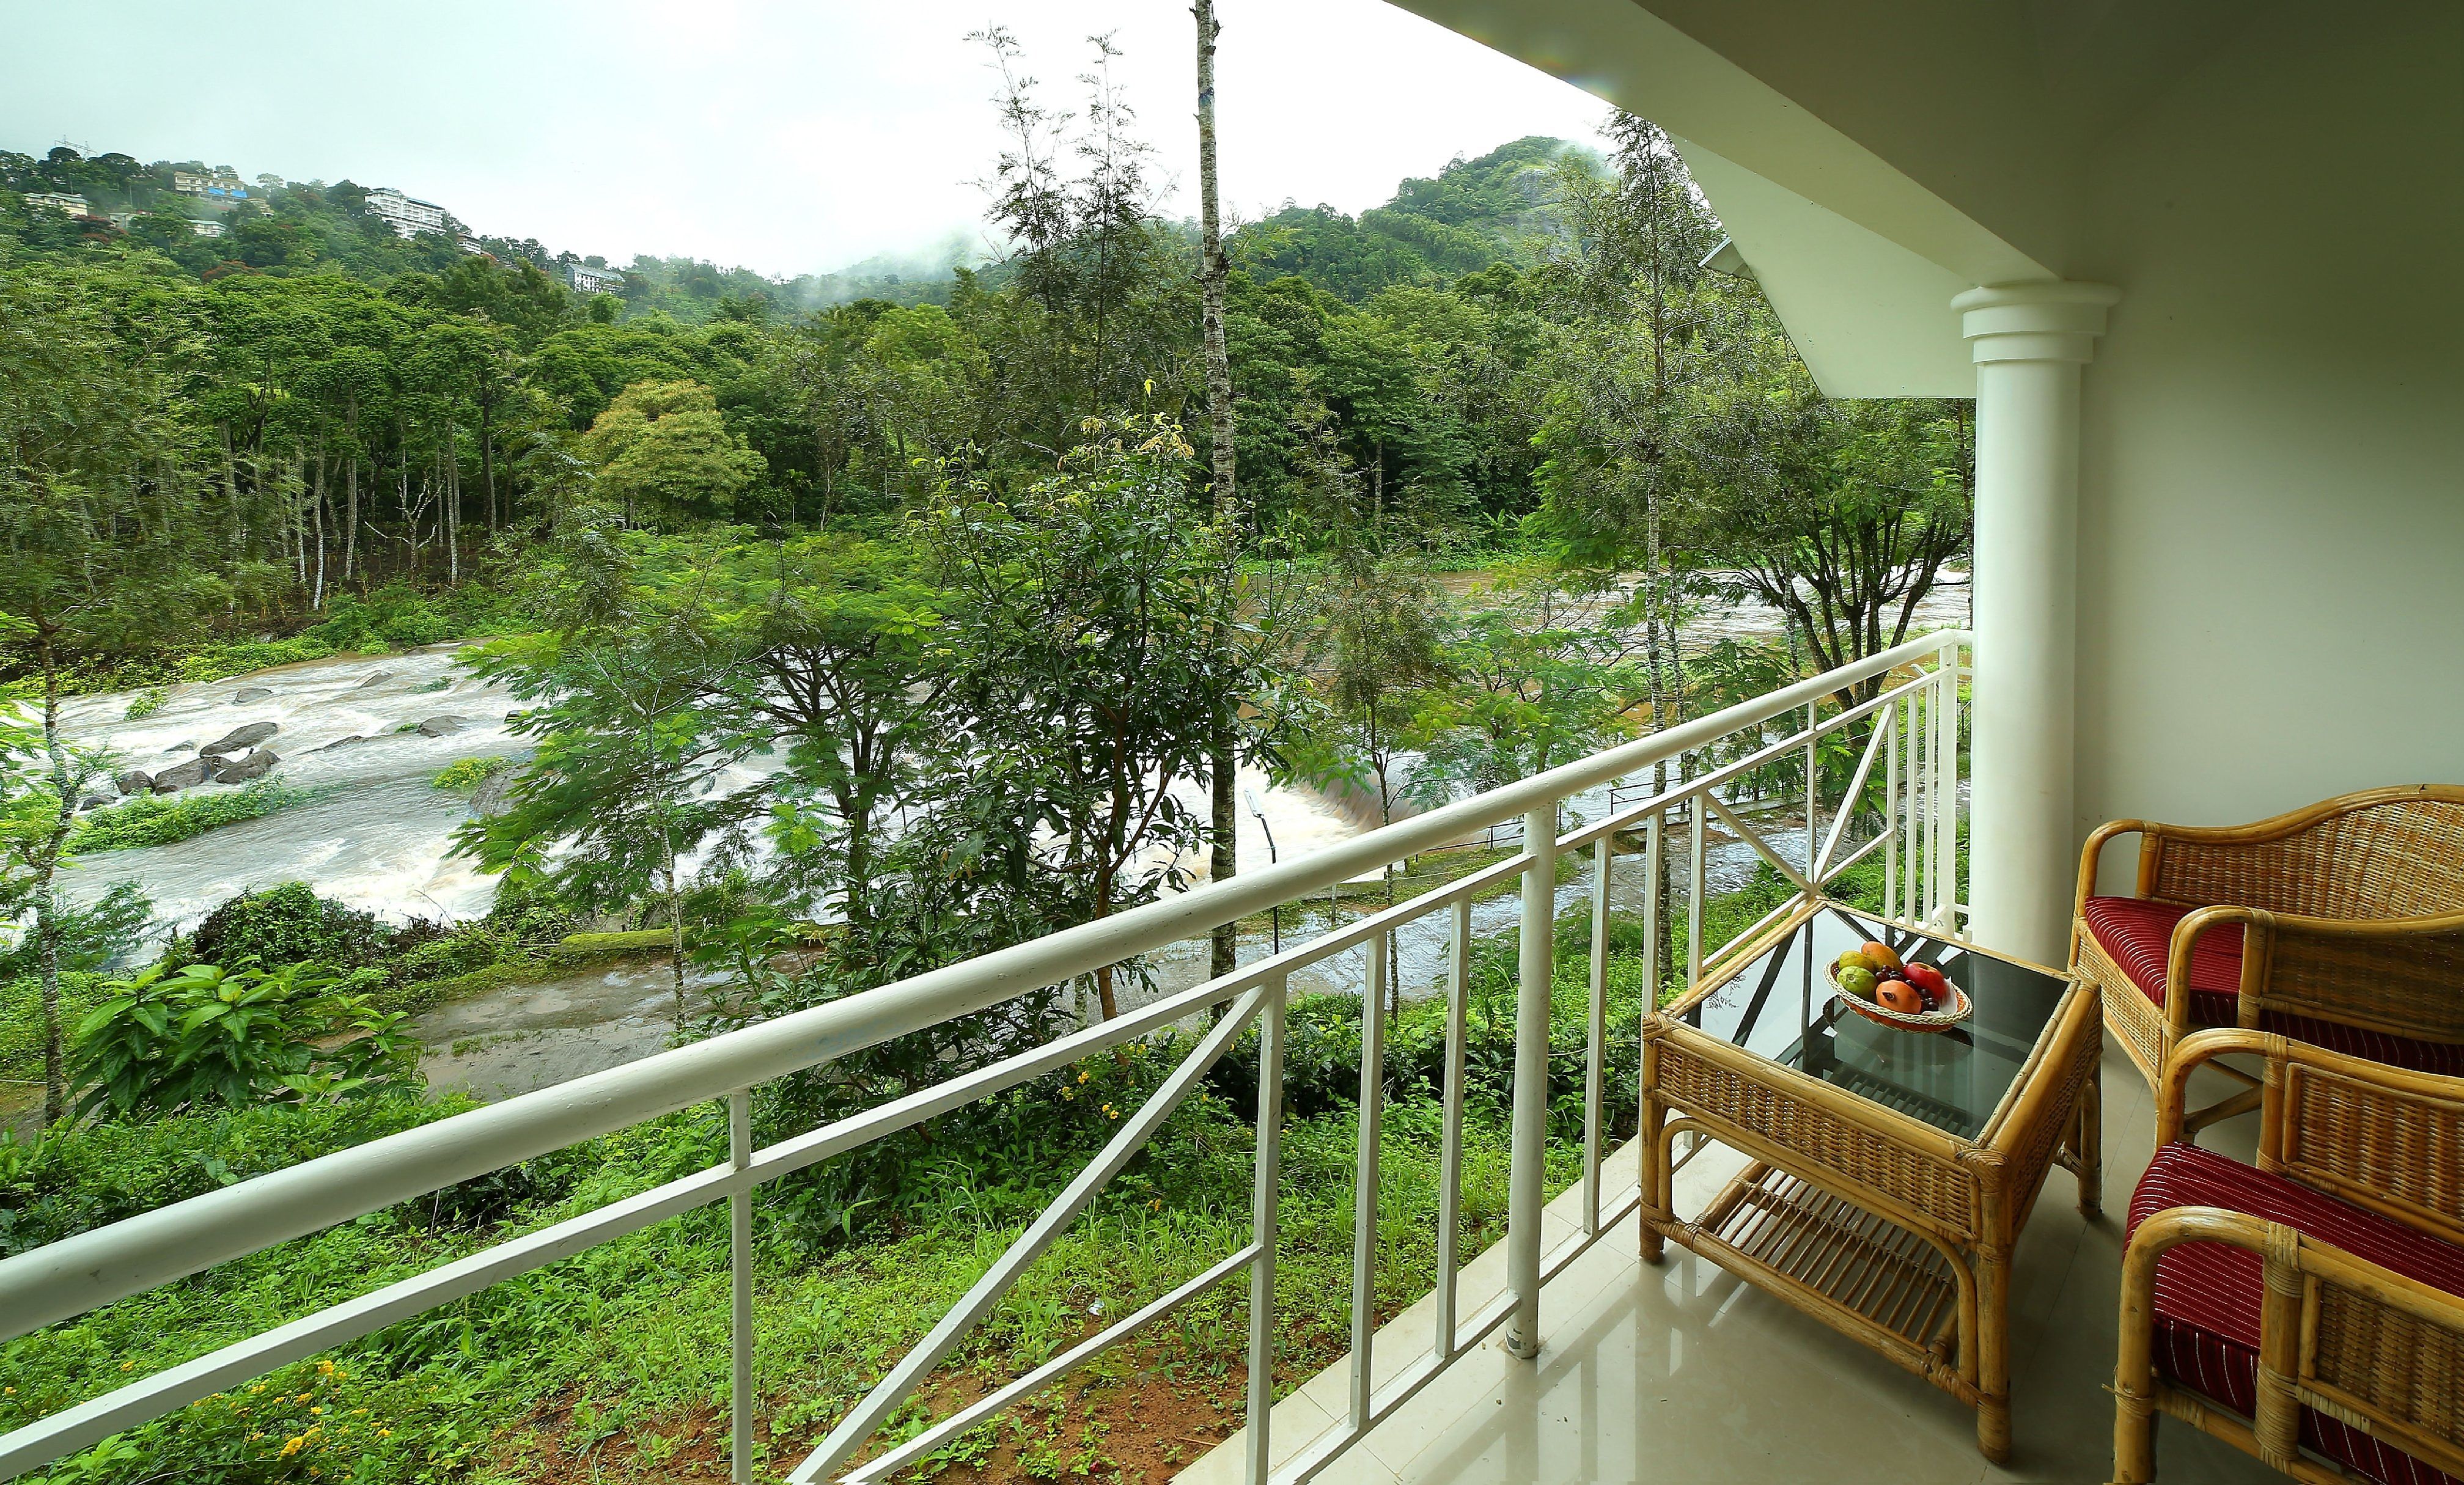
1780	1006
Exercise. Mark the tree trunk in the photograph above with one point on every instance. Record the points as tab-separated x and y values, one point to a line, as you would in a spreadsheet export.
1221	769
47	908
316	508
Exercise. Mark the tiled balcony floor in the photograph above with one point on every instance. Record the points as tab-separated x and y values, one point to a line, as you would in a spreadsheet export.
1684	1373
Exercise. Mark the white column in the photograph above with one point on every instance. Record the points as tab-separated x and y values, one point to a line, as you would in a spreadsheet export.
2029	341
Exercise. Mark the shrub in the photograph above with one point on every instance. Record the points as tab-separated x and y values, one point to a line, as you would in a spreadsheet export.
73	1179
465	775
194	1037
289	925
151	819
146	703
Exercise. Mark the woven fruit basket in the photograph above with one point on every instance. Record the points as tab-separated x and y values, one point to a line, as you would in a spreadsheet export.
1949	1006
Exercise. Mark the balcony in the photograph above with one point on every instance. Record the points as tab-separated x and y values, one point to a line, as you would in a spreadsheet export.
1555	1353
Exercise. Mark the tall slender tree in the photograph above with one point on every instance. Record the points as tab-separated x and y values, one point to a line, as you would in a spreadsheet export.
1223	861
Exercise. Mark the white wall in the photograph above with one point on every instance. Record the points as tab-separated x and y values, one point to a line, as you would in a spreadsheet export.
2272	502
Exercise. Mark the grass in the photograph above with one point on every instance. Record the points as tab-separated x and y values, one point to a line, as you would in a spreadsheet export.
613	1365
151	820
464	776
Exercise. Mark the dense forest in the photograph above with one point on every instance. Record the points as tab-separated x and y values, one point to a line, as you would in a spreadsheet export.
967	560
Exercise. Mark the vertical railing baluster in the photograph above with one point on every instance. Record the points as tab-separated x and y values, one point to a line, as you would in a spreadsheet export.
1651	870
1364	1199
1596	1037
740	1257
1936	853
1890	722
1694	892
1920	808
1264	1227
1949	668
1450	1145
1813	793
1526	1180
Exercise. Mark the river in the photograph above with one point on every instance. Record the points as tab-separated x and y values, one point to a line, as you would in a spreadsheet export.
377	835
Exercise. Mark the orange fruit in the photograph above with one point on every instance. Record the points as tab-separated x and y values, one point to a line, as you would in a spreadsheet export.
1900	995
1882	955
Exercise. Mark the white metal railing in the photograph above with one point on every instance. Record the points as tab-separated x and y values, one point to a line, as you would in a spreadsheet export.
1910	729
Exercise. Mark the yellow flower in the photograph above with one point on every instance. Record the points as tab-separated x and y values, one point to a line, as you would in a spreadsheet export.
293	1445
317	1411
1083	1077
128	1365
327	1368
384	1433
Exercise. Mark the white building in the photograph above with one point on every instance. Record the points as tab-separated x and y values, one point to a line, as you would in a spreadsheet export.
58	200
191	183
206	227
586	279
408	215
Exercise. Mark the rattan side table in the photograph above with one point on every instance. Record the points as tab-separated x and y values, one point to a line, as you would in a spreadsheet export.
1889	1173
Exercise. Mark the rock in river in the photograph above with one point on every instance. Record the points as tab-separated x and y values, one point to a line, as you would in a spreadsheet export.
250	693
135	782
377	678
438	726
239	738
185	776
257	765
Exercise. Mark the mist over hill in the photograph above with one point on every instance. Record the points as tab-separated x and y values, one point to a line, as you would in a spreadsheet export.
1500	208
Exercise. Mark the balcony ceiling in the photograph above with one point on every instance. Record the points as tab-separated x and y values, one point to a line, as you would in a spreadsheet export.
1872	161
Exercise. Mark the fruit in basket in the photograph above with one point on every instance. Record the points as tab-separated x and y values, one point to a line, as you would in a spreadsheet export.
1881	955
1900	995
1851	960
1926	977
1857	980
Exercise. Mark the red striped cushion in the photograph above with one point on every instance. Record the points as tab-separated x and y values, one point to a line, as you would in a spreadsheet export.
2208	1293
2139	935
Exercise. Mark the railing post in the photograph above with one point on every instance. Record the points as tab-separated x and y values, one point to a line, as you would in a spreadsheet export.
1365	1189
1450	1140
1527	1194
1266	1222
1813	792
1948	668
740	1257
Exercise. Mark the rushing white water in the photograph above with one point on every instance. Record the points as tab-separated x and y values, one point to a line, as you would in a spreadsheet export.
379	836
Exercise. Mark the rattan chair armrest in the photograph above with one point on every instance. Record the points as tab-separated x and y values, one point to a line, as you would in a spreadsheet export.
2206	1046
2434	925
2177	957
2090	854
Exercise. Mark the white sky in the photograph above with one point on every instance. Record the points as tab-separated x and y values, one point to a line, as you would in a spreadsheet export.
785	137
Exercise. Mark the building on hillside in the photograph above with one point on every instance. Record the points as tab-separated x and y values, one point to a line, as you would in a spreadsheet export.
205	226
408	215
586	279
191	183
58	200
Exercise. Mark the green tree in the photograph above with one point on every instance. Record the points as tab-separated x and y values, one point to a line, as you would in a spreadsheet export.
98	509
665	453
1086	613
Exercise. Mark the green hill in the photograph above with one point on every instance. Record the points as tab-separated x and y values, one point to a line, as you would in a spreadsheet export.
1500	208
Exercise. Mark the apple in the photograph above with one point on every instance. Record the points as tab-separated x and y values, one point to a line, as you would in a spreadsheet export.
1928	978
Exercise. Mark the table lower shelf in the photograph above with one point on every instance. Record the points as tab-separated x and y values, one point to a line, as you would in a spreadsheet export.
1839	1255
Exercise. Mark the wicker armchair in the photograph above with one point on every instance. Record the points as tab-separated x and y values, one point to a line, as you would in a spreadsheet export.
2341	925
2309	1311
